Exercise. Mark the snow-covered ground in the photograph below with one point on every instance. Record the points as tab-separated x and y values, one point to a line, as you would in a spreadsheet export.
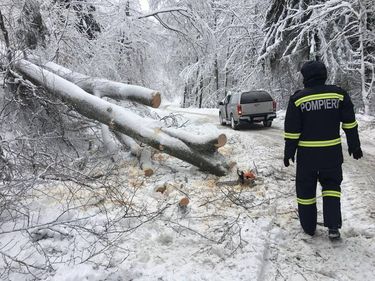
227	231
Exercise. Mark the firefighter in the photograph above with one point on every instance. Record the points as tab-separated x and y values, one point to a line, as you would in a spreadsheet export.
312	128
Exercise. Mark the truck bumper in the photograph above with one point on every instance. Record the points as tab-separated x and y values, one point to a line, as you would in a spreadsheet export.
258	117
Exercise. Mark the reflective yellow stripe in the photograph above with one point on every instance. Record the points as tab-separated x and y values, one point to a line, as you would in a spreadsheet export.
319	97
293	136
319	143
331	193
349	125
310	201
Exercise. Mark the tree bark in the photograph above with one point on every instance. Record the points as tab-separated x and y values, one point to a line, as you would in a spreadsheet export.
216	77
119	119
201	91
185	95
362	21
198	143
6	38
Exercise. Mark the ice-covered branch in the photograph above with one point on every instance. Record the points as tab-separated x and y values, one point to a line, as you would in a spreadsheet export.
168	10
107	88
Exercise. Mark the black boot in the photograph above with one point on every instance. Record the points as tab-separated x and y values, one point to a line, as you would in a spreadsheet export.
333	234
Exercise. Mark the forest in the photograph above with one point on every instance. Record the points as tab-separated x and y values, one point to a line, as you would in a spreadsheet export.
93	96
202	50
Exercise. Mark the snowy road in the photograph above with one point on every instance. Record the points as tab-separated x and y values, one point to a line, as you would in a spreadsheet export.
288	253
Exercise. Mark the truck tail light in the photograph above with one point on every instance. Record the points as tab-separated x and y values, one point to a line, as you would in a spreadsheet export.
274	105
239	109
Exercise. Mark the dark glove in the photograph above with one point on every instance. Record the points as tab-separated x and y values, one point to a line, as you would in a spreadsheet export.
286	161
357	153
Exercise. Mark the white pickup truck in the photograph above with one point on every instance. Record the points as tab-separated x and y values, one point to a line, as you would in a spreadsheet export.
250	107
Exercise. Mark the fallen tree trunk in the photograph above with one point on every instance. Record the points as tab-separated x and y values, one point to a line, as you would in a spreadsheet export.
201	143
119	119
107	88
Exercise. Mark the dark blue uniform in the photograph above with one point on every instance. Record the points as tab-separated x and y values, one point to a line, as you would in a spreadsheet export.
312	128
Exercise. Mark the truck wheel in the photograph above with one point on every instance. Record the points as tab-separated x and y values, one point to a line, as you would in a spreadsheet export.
222	121
233	123
267	123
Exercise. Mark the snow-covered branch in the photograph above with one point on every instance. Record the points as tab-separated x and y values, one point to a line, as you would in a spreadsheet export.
163	11
107	88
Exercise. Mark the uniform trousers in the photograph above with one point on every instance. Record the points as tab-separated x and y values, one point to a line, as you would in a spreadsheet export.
306	183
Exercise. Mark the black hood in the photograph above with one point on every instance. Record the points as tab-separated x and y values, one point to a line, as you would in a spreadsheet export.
314	73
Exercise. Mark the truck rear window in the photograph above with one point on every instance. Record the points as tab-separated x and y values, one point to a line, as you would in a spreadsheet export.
255	96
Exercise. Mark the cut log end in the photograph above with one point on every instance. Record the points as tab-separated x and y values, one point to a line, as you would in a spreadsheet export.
184	202
156	100
221	141
161	189
148	172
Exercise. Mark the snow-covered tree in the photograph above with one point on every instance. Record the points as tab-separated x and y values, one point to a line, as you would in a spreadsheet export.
337	32
216	46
